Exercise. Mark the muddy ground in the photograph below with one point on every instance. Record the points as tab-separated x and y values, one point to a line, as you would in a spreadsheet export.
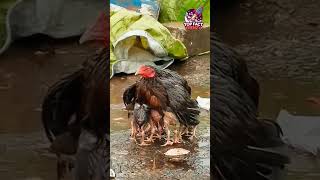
279	38
131	161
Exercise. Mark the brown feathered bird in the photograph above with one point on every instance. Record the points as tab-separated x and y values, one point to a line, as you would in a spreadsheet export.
78	102
243	145
167	94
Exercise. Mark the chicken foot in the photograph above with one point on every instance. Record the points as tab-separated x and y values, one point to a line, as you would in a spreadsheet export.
182	130
143	143
177	139
134	132
150	139
168	142
193	135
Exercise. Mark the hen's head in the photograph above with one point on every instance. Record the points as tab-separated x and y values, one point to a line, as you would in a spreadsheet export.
146	71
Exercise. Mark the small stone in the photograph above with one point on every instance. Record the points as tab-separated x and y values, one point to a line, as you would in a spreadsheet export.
176	152
112	174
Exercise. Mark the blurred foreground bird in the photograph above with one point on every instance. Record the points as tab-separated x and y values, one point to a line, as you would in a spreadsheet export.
243	146
168	96
76	107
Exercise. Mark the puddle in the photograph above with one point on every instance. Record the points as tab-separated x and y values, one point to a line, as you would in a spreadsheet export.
25	75
292	95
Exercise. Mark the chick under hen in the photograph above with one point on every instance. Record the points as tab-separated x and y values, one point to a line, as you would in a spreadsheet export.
169	97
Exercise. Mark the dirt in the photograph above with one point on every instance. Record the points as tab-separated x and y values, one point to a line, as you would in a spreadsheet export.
195	70
279	38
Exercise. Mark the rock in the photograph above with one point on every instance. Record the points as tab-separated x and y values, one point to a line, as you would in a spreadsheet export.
176	154
196	41
112	174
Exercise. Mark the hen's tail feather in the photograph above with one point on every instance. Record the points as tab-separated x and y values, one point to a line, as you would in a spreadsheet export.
61	103
190	116
95	97
264	156
129	97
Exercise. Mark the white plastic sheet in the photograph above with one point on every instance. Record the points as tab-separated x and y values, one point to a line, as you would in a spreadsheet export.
301	132
55	18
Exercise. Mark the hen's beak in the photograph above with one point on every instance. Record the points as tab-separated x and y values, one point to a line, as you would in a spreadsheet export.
137	73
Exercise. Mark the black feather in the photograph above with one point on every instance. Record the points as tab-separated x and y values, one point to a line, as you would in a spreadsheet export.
61	103
241	142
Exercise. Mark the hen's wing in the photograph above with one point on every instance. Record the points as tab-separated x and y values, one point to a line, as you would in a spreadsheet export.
228	63
95	99
152	93
179	94
166	73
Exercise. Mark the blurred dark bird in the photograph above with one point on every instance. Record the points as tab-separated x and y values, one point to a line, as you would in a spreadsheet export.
227	63
79	100
76	103
165	92
242	144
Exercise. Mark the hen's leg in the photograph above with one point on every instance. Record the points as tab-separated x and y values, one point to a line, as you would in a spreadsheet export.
156	117
158	135
177	138
161	123
183	130
193	135
133	131
143	143
150	139
150	128
168	142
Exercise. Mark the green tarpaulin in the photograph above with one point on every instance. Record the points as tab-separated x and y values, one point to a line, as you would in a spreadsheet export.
140	39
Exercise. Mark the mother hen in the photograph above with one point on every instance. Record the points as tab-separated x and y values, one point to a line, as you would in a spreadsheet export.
165	92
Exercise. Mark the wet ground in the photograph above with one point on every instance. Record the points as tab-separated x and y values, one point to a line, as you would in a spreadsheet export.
291	95
26	71
131	161
280	40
